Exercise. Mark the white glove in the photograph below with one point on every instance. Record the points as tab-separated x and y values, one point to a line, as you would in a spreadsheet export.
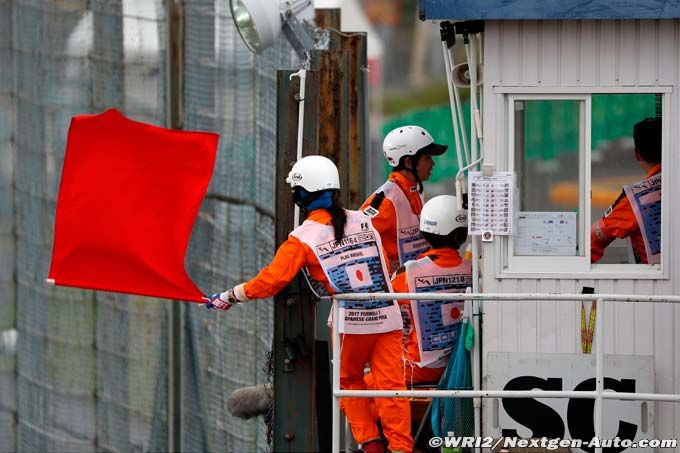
223	301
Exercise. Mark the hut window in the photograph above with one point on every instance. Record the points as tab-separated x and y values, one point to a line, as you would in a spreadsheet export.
572	154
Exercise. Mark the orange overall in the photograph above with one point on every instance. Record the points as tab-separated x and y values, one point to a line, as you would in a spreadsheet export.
383	351
443	257
619	222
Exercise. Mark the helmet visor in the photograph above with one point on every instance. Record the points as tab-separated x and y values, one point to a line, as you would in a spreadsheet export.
433	149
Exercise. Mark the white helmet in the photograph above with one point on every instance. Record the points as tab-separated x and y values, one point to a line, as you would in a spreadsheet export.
407	141
441	216
314	173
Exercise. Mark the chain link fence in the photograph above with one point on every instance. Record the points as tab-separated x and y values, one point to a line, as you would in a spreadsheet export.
7	240
86	371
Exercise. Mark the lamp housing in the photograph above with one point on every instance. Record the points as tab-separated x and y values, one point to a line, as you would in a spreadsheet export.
260	22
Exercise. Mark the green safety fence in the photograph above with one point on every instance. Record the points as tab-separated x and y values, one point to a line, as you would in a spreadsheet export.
551	126
437	121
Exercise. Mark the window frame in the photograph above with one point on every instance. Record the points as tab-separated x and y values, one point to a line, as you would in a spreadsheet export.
567	263
579	267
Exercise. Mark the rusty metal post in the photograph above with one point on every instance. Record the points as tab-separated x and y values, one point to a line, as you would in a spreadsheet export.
335	127
343	118
354	46
333	116
327	18
294	333
343	113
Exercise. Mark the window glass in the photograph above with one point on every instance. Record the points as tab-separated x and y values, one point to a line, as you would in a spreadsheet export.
548	135
613	159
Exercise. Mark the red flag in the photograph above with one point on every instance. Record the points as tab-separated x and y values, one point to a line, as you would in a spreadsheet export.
128	198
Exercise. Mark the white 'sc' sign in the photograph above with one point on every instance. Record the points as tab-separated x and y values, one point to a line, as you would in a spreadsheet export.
569	418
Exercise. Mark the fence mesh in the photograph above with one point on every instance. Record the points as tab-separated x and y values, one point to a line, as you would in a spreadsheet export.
7	242
90	370
233	93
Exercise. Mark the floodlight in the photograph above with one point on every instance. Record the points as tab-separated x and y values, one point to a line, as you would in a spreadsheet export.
259	22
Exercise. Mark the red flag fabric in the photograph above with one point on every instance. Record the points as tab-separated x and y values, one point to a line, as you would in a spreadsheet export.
128	198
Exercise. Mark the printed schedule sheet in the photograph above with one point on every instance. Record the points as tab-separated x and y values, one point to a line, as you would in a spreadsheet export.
491	203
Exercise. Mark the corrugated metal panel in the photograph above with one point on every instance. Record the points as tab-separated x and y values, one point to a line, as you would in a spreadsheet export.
607	54
548	9
509	53
668	46
628	53
570	56
624	332
567	320
583	53
549	51
547	318
529	58
589	52
648	45
644	320
608	40
675	339
527	311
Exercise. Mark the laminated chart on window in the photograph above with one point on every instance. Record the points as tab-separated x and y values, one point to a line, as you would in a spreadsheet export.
491	202
545	234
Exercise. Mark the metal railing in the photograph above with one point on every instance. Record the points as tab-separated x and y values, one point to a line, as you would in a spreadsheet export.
598	394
